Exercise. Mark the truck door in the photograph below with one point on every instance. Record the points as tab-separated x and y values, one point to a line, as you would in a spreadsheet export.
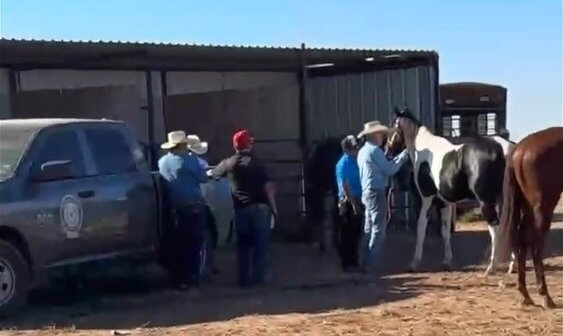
125	193
61	208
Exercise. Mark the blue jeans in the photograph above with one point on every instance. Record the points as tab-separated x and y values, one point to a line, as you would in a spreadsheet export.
253	234
375	226
191	221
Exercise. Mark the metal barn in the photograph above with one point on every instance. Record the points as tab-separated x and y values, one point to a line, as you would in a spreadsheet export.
291	98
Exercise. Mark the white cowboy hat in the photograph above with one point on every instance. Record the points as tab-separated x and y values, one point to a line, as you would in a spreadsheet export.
195	145
373	127
174	139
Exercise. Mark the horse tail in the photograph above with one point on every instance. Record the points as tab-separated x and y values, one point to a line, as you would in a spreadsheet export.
510	219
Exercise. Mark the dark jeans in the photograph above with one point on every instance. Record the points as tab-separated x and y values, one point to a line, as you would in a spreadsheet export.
253	234
211	226
190	226
349	233
210	242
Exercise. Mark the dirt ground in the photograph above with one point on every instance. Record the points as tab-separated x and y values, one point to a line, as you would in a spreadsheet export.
309	295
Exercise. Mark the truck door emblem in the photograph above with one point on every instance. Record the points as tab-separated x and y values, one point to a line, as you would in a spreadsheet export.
71	216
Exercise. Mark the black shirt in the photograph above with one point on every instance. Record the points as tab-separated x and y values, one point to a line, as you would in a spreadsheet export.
248	177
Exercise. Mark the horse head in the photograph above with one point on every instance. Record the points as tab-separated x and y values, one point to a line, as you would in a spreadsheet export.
403	130
402	133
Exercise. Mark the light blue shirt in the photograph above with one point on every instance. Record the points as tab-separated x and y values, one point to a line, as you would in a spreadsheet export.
347	171
183	175
375	169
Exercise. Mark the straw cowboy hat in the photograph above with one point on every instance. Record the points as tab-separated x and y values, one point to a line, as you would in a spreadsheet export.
373	127
175	138
195	145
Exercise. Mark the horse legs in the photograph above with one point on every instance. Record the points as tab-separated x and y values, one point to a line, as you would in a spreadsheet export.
521	255
447	212
420	232
491	216
512	263
547	302
524	231
539	238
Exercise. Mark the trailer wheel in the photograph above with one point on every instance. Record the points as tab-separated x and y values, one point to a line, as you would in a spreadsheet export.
15	278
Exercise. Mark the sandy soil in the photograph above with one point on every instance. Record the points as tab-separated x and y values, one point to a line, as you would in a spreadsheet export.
308	295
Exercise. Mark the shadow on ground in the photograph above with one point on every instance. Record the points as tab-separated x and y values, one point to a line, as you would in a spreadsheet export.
302	281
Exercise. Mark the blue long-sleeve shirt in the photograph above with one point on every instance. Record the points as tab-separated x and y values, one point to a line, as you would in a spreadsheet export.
183	175
376	169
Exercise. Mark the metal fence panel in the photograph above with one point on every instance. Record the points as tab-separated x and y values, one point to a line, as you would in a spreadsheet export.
339	105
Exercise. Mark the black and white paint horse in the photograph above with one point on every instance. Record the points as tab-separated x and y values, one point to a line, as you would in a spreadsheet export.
471	170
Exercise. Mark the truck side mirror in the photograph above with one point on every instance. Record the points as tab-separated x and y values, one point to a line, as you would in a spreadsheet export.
54	170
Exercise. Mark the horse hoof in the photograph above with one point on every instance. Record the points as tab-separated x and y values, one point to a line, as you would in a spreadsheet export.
413	268
446	267
527	302
547	303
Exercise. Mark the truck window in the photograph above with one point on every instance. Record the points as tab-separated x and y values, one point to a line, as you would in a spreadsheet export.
13	142
110	150
63	145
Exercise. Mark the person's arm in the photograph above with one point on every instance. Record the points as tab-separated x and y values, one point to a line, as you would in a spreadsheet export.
220	170
270	190
269	187
350	197
390	167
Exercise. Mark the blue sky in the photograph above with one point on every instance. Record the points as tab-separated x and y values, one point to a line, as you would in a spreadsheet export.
514	43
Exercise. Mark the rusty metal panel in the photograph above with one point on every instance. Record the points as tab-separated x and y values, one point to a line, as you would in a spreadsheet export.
111	102
271	114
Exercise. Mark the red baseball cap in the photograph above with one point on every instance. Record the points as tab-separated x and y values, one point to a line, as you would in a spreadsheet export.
242	139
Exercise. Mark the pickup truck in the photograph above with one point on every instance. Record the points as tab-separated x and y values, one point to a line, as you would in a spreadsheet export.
73	191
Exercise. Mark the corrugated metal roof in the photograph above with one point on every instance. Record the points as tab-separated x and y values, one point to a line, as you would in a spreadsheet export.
181	56
201	45
471	85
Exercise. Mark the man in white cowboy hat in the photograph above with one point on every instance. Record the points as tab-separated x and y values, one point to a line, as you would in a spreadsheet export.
375	171
199	148
183	175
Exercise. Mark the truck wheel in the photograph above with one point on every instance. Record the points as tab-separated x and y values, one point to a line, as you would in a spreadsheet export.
14	278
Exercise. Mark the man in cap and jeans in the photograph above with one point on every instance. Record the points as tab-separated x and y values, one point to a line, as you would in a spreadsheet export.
182	175
254	204
375	171
350	210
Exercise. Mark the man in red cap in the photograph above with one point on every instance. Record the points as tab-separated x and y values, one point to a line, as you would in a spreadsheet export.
254	203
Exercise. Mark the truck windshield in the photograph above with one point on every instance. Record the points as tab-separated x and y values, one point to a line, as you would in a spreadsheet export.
13	142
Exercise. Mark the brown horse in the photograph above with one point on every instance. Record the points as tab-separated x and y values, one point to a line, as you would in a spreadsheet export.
533	182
